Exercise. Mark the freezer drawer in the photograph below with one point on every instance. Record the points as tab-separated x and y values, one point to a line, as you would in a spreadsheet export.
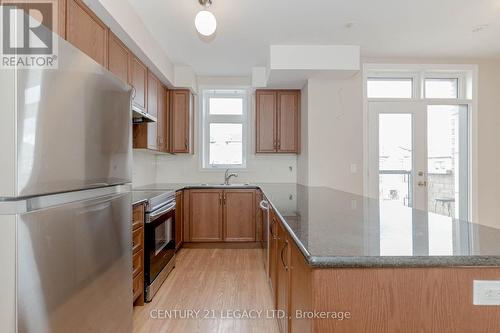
74	267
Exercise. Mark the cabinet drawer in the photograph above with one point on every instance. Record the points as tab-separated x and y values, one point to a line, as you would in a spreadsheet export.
138	286
138	263
137	216
137	240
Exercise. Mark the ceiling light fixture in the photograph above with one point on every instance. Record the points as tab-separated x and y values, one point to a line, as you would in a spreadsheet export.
205	21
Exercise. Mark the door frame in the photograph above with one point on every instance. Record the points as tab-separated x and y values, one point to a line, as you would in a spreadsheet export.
417	71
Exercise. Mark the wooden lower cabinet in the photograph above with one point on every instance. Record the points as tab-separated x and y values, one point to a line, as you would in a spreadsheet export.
290	279
283	278
138	254
273	253
239	216
205	215
222	215
300	291
179	221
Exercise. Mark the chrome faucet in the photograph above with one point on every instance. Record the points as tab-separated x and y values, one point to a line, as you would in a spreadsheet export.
227	176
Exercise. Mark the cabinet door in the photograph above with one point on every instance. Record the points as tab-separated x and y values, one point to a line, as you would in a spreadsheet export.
265	121
138	80
283	277
239	216
273	253
205	216
180	104
288	121
300	291
85	31
163	121
118	58
179	223
152	92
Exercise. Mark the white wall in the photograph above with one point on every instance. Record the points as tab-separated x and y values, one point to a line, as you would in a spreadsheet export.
333	134
488	143
144	172
267	168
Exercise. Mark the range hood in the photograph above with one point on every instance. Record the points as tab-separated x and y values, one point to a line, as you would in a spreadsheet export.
139	116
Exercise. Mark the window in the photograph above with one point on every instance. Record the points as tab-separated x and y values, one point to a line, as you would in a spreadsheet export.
389	87
441	87
224	129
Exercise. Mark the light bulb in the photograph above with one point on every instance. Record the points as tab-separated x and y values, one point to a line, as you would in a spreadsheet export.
205	23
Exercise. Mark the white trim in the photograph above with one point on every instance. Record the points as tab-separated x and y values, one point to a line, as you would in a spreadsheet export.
468	94
206	119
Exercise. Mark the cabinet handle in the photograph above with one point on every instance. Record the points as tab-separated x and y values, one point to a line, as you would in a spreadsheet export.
134	92
220	199
224	199
271	228
186	143
281	255
279	144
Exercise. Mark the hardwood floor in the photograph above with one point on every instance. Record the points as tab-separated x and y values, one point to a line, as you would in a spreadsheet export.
218	280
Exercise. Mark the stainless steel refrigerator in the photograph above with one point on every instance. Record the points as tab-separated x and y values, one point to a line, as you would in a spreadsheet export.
65	202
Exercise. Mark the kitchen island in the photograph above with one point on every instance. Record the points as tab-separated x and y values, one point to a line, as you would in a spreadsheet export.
339	262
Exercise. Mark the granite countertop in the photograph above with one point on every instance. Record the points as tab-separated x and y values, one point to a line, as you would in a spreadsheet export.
339	229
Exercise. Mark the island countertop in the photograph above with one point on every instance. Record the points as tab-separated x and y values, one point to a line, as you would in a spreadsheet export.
333	228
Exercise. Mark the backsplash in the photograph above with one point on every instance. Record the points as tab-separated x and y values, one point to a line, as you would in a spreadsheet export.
144	168
260	169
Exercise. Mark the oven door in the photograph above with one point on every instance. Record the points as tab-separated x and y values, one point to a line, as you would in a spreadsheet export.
159	241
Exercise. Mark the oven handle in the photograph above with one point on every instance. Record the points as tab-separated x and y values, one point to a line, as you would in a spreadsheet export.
162	211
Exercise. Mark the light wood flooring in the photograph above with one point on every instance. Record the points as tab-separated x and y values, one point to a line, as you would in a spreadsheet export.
211	279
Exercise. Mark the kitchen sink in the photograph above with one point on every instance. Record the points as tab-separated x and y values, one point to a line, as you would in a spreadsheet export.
224	185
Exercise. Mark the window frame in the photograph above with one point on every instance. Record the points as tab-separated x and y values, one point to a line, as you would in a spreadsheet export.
459	76
392	76
207	119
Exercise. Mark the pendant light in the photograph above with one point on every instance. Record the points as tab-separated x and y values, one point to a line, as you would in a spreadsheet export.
205	21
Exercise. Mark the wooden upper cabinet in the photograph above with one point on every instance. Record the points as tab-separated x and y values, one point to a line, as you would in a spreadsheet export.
277	121
139	81
180	124
153	86
239	216
118	58
205	215
85	31
288	121
266	121
163	119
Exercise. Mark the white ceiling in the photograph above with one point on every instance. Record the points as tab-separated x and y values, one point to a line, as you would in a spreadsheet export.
383	28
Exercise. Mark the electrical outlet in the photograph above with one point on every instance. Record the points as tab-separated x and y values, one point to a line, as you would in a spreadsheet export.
354	168
486	292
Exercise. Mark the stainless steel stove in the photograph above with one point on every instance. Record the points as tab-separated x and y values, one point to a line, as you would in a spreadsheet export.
159	238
